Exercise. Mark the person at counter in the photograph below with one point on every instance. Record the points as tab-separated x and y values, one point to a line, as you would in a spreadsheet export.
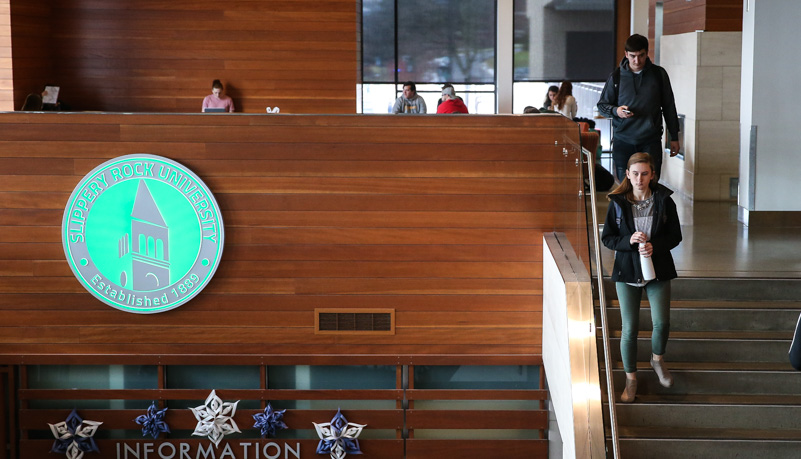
409	101
450	102
33	103
217	101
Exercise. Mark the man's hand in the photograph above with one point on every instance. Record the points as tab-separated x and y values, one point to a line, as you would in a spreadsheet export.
623	112
675	146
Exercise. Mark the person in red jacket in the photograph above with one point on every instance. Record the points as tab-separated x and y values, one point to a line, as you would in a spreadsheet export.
451	103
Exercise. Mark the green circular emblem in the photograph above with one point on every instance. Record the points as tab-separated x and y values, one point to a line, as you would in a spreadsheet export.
142	233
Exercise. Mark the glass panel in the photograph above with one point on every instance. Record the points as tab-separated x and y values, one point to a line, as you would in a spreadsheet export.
378	41
446	41
479	98
212	377
477	405
530	94
378	98
477	377
307	377
564	40
92	377
90	404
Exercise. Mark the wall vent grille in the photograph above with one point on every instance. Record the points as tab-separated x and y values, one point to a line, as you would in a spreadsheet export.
355	321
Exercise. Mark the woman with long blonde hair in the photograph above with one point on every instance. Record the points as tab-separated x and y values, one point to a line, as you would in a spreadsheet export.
641	224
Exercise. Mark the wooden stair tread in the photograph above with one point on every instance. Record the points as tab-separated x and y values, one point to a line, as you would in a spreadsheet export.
706	304
714	334
717	399
712	366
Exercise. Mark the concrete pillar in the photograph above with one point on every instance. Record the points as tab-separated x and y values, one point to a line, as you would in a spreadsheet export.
769	157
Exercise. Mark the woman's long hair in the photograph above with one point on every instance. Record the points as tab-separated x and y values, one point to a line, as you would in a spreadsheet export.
554	89
565	90
625	187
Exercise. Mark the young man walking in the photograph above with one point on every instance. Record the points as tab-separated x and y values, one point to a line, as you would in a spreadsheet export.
636	96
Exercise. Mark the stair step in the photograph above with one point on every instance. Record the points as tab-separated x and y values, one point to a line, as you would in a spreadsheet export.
708	433
699	319
715	289
719	399
684	417
710	350
654	448
712	334
779	383
718	304
711	366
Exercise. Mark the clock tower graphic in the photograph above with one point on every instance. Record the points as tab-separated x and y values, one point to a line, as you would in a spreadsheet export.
147	245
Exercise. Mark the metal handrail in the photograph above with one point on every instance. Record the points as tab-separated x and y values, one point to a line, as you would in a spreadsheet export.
610	388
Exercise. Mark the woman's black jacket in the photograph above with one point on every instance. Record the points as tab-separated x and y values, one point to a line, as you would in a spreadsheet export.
665	235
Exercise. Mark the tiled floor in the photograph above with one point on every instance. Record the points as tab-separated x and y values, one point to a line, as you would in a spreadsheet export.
717	245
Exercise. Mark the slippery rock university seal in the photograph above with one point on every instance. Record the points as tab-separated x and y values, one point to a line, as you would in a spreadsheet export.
142	233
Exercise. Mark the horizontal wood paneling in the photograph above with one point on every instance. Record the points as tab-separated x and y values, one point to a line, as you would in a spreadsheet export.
384	448
156	56
724	16
681	16
441	222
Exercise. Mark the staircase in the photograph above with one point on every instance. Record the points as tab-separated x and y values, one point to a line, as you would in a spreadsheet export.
735	394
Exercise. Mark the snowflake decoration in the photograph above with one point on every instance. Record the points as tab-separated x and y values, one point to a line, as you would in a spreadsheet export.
153	422
74	436
270	421
338	437
215	419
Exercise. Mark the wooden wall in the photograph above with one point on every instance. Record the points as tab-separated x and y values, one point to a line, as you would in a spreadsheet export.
682	16
32	57
6	79
162	55
439	218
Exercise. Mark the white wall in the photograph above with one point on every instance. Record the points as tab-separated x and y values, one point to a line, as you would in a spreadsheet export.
771	102
639	17
704	70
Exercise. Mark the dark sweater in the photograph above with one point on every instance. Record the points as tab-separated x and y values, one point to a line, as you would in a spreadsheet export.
647	98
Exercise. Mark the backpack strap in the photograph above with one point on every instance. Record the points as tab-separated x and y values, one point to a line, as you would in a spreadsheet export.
618	214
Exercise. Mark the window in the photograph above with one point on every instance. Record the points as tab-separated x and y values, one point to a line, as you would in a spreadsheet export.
430	42
564	40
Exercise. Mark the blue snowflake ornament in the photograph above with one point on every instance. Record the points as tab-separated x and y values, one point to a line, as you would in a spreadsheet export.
153	422
270	421
338	437
74	436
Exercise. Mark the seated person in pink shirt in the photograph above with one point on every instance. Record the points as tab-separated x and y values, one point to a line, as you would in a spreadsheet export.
451	103
217	99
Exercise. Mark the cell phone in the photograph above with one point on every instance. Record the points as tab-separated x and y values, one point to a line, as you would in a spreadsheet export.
628	112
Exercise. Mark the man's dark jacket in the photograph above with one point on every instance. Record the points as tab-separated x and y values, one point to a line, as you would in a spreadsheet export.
648	95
